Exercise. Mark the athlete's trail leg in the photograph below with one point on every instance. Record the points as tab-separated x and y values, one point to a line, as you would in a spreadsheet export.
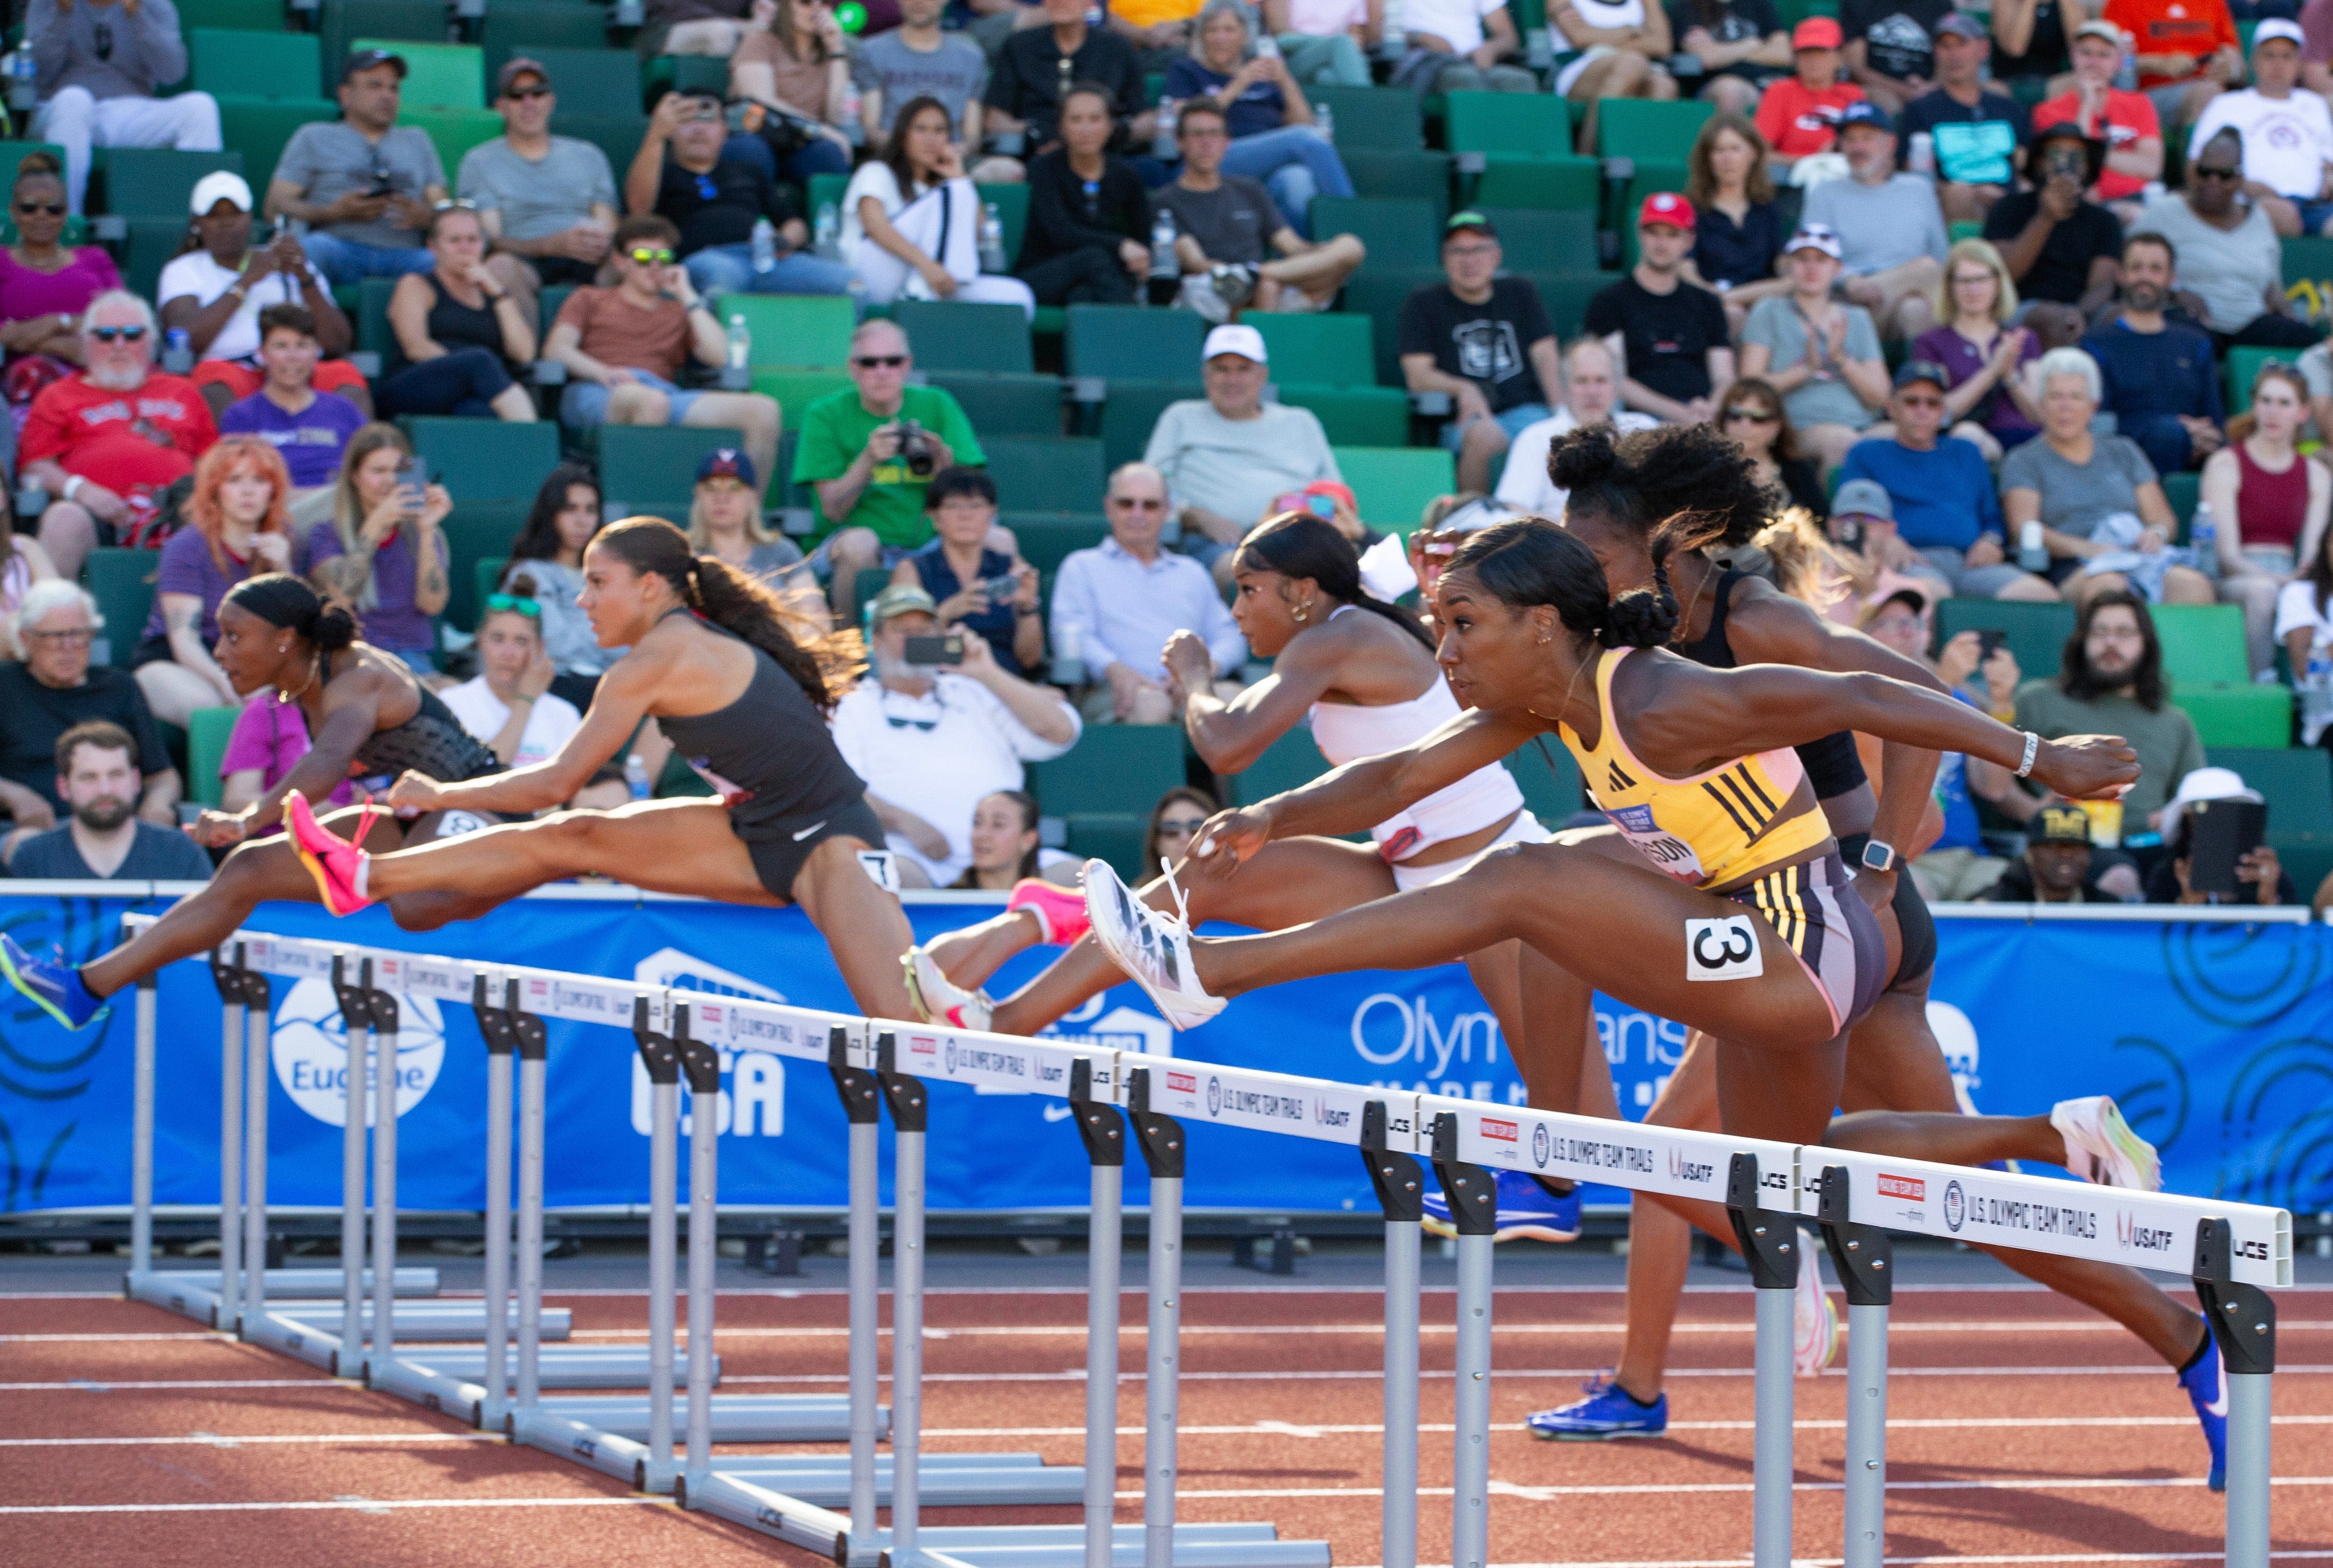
864	926
972	953
1660	1239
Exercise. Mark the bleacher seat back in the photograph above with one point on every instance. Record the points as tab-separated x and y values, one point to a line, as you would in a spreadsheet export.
142	182
2202	643
2037	633
122	583
486	459
1394	485
1371	119
437	75
1396	233
1132	411
1537	125
1330	350
810	330
541	28
1022	405
208	729
1648	129
1287	763
1147	344
275	65
1064	474
1549	780
1113	768
949	336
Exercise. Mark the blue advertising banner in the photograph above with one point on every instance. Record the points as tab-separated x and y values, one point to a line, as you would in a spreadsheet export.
2218	1040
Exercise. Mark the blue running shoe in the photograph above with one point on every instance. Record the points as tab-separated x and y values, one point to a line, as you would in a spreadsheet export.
2207	1389
1525	1209
1607	1412
56	988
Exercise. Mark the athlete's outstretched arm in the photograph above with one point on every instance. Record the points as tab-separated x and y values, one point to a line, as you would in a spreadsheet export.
618	706
1230	736
352	713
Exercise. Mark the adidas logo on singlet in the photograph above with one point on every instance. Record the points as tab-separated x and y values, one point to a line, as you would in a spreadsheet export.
1620	781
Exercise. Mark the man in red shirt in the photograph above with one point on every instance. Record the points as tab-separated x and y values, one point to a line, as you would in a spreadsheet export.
2124	121
105	444
2187	52
1799	116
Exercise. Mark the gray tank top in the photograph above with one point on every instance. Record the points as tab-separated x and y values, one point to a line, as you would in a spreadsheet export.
769	755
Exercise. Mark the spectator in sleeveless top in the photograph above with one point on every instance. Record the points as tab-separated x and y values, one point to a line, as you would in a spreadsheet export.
45	286
461	331
725	520
1089	237
308	428
2266	502
215	287
911	219
381	555
549	551
236	527
1620	44
977	589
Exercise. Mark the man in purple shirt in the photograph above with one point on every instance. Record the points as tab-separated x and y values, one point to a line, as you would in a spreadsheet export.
309	428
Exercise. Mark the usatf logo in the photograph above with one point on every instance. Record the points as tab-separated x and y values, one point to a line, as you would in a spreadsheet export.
1504	1131
2132	1234
1182	1084
1539	1145
1910	1187
1955	1206
1328	1115
1214	1095
1684	1169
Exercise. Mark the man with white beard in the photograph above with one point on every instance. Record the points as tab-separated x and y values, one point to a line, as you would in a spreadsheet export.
1591	392
107	443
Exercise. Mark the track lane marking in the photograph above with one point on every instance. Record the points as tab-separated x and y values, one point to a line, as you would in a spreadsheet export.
338	1504
1191	1331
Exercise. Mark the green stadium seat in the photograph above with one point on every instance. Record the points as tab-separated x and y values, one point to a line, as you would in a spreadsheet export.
437	75
1004	404
1130	411
2297	783
1047	538
651	468
587	77
406	21
2210	676
1115	836
2231	714
208	731
1353	415
152	242
1403	176
486	576
697	73
141	182
1115	340
1648	129
454	131
2239	369
1371	119
259	128
474	532
948	336
1322	350
1289	762
240	15
1394	485
1535	125
122	583
1564	236
2202	643
811	331
486	459
1064	474
796	389
1566	297
370	318
1379	295
1113	768
272	66
618	136
1549	781
2181	492
2037	633
1398	233
1508	181
542	28
2308	258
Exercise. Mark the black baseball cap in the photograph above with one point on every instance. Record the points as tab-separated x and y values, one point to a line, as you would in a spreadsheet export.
1470	219
366	59
1927	371
2059	824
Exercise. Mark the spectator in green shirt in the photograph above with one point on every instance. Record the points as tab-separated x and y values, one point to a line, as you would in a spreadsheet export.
868	495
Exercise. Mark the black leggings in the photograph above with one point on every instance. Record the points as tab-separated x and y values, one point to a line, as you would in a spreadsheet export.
463	383
2267	331
1090	276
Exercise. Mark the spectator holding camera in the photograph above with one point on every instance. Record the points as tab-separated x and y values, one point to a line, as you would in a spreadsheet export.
725	520
868	455
977	589
381	556
364	183
2259	878
937	729
2055	242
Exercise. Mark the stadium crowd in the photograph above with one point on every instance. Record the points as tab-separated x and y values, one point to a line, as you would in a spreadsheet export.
1976	292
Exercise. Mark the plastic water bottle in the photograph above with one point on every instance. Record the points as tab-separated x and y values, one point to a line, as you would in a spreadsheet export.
765	244
741	343
1920	157
992	239
635	775
827	236
2203	539
2317	696
2032	553
1324	119
1162	263
177	352
1162	135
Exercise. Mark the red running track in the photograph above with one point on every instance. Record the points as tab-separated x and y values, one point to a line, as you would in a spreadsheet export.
2023	1430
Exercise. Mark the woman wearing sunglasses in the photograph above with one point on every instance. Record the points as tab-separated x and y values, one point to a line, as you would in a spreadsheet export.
509	704
1175	821
911	219
45	286
1752	417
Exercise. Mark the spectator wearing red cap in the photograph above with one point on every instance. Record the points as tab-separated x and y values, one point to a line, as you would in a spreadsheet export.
1976	136
1484	340
2125	122
1799	116
1668	333
1741	45
1620	46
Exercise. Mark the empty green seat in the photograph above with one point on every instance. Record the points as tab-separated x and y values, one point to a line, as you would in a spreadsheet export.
478	531
260	128
1004	404
1113	768
437	75
2241	366
1565	296
2309	258
1371	119
155	182
208	729
805	329
1326	350
2182	492
950	336
1508	181
1353	415
2201	642
2237	714
1648	128
122	583
1147	344
2036	633
2297	784
1398	233
1132	409
540	29
1394	485
1115	836
454	131
616	135
1048	539
652	469
486	459
796	389
1407	176
1379	295
1064	474
272	65
1533	124
241	16
1543	237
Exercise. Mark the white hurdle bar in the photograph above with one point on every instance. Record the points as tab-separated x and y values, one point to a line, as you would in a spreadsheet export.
2235	1253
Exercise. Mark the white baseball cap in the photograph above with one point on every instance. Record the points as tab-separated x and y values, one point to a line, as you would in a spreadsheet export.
1244	341
2278	27
219	185
2204	784
1816	237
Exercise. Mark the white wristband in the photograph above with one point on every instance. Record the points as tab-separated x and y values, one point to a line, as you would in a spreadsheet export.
73	483
2032	750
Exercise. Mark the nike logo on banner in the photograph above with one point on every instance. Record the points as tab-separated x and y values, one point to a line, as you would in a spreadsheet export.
806	832
1059	1112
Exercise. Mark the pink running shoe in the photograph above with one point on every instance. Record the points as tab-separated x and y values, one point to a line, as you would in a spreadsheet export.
339	867
1061	912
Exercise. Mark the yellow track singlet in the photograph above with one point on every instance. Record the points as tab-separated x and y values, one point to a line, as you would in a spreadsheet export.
1709	830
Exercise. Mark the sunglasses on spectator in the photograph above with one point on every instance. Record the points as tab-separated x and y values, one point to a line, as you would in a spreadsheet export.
1180	826
528	92
880	361
648	258
455	204
2201	172
54	209
1748	416
108	334
926	726
513	602
1138	502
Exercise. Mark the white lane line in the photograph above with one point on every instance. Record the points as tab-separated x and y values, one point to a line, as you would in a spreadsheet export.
237	1439
1201	1331
99	1386
1305	1430
1077	1375
344	1504
1523	1494
2037	1557
109	1338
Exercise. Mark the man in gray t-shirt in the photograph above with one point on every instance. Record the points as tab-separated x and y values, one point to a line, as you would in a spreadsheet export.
96	66
1231	235
1889	224
363	183
916	60
547	201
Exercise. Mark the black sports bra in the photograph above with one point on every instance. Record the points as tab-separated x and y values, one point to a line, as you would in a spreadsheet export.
432	744
1832	764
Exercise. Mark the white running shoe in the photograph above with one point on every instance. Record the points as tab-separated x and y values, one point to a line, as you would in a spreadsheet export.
939	999
1814	1321
2100	1147
1153	947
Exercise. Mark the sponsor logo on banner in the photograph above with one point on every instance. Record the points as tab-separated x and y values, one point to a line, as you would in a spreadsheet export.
309	1048
668	966
1182	1084
1504	1132
754	1101
924	1045
2129	1233
1328	1115
1538	1144
1910	1187
1214	1095
1955	1206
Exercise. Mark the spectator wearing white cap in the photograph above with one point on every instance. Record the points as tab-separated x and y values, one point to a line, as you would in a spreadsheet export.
363	184
1892	232
1224	456
96	65
1821	354
214	293
2259	878
2287	135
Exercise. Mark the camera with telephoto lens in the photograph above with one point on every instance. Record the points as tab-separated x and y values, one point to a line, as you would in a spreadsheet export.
915	449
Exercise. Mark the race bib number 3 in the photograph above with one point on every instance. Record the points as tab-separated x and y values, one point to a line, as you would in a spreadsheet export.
1722	949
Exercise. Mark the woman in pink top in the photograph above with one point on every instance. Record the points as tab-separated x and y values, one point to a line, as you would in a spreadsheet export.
44	287
269	737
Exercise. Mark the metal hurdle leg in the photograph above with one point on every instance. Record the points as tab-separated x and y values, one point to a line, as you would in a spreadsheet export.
663	1065
224	975
532	1042
1163	1145
911	1108
701	1064
384	1179
141	1134
258	1019
1400	1187
2242	1318
1103	1131
1768	1240
1864	1256
1474	1199
862	1104
356	1033
494	1026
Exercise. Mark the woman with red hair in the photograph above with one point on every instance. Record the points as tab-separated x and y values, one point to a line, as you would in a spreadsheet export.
236	527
